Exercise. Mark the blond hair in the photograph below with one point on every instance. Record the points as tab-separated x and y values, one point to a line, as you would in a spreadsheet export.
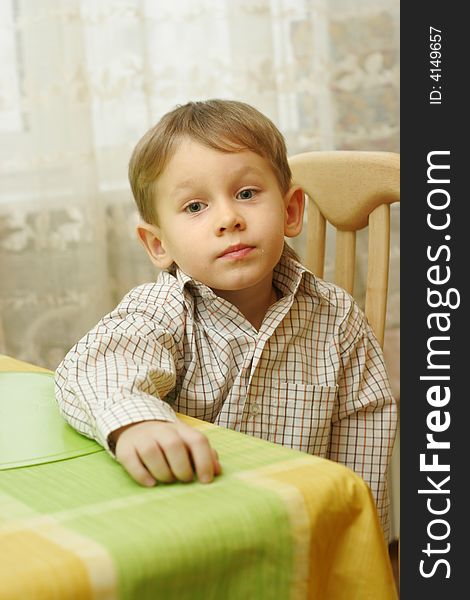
225	125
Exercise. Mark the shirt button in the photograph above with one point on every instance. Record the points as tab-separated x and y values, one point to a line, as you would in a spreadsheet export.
254	410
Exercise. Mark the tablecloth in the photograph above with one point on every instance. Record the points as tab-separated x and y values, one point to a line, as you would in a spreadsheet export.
276	524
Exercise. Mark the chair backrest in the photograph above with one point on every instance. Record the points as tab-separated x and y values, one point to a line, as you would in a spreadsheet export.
351	190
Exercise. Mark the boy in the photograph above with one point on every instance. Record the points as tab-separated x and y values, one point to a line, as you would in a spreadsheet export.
235	330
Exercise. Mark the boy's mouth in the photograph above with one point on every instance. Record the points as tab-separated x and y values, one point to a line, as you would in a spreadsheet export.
236	251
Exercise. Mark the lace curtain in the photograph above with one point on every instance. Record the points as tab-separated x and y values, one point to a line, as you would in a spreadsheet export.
83	79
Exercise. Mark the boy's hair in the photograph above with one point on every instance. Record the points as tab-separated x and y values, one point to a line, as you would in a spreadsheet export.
225	125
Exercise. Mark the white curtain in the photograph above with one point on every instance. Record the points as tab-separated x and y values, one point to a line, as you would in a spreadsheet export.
82	80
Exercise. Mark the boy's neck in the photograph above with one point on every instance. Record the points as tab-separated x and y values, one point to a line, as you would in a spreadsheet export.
252	302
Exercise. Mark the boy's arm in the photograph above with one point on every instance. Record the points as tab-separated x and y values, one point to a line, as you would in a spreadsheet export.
365	417
112	384
118	374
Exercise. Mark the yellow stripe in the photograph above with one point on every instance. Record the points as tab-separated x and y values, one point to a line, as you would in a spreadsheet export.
50	570
50	561
42	559
347	557
196	423
12	364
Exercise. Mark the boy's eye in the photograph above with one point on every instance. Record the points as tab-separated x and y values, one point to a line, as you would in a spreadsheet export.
247	194
194	207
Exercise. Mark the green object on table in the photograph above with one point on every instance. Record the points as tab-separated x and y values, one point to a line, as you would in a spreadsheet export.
32	431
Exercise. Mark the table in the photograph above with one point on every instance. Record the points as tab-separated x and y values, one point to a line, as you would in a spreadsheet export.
276	524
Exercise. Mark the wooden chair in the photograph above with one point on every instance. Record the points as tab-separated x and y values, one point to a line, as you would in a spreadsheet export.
351	190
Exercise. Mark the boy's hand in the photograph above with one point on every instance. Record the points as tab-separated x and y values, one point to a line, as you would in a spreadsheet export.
154	451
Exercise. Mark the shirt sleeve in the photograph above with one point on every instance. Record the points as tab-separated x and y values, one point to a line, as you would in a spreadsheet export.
365	417
121	371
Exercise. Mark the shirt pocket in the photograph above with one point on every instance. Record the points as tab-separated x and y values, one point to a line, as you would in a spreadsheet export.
300	416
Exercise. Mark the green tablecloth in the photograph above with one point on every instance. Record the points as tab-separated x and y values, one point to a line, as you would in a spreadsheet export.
276	524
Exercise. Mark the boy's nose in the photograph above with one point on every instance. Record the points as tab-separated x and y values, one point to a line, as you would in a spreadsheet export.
230	220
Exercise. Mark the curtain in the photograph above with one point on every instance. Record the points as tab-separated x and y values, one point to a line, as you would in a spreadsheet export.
82	80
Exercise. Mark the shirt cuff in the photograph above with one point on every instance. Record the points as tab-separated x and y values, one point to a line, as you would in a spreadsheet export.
137	408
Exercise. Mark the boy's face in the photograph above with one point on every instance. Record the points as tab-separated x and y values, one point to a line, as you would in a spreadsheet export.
221	217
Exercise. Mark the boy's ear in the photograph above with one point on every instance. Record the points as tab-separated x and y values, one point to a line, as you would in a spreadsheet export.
150	236
294	211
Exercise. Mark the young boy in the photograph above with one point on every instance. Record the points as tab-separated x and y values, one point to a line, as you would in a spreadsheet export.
235	330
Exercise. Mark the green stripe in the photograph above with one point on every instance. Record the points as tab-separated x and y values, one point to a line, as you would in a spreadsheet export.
230	541
173	541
